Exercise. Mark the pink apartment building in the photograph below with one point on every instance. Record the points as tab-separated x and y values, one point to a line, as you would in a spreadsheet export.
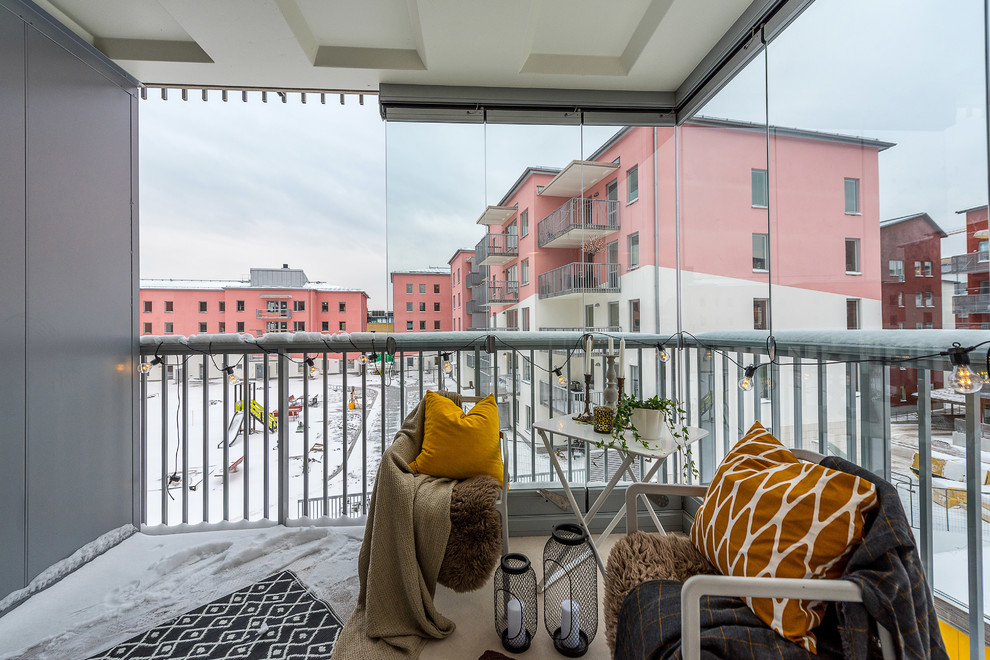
580	247
272	300
461	304
421	300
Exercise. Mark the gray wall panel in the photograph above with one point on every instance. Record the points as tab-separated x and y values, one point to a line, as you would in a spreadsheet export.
12	436
80	330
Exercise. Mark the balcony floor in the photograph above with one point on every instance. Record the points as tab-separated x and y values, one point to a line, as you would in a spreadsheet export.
149	579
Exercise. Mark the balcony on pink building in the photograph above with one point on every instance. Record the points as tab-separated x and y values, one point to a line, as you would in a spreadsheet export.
578	221
498	292
495	249
579	278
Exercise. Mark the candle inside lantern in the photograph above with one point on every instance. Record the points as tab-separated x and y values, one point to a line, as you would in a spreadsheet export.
587	355
622	358
515	632
611	346
570	614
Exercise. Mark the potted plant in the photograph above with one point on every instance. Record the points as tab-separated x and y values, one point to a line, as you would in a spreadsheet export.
646	419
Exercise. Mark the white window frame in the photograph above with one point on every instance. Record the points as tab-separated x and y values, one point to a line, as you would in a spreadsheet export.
856	257
857	210
632	191
633	238
754	202
765	241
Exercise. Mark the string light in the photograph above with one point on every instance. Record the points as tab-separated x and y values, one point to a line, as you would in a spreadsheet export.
560	376
963	379
146	366
312	366
746	382
446	363
231	376
364	358
662	353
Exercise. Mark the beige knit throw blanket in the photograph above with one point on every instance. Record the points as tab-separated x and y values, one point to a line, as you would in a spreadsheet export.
401	556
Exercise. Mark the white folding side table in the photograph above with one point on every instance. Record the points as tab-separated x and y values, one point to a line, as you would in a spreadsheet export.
565	425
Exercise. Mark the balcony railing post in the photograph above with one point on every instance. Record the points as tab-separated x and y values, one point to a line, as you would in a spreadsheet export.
225	451
283	438
305	439
248	396
142	453
822	408
851	449
364	434
326	433
798	404
185	442
706	415
165	481
925	471
265	430
974	524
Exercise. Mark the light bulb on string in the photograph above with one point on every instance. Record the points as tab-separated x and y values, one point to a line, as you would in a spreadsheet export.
231	376
312	366
662	353
147	366
446	363
364	358
963	379
746	382
560	376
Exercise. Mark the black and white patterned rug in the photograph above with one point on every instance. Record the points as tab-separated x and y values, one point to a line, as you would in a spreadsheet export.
276	618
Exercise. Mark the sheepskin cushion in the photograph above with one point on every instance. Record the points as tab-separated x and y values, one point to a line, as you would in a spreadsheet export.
475	542
640	557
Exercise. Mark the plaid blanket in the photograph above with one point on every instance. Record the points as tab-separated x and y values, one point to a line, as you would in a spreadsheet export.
885	565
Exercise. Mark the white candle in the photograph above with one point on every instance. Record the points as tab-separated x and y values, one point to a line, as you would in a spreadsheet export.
570	615
515	632
611	347
587	355
622	358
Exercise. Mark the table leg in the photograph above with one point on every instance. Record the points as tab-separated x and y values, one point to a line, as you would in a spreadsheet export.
570	498
622	510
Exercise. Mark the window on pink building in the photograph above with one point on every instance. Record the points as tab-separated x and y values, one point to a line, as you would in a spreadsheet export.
147	328
221	327
299	326
436	325
436	288
240	308
168	328
202	306
343	326
422	325
409	325
342	307
240	326
298	305
324	307
422	306
147	305
760	313
326	326
436	307
221	306
168	305
202	328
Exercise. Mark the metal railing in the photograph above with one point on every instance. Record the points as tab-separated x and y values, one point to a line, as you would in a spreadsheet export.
602	328
601	215
579	278
273	313
967	263
973	303
499	292
567	399
200	470
500	246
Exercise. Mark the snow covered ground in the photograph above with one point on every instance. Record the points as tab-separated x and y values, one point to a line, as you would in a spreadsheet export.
147	579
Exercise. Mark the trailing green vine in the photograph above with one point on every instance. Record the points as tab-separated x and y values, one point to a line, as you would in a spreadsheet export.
674	417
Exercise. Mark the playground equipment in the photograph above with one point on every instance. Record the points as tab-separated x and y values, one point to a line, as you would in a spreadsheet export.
258	413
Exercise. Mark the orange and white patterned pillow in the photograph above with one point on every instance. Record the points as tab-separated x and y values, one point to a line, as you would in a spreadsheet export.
767	514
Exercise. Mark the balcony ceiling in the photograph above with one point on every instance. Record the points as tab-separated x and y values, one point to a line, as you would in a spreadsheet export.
496	215
578	176
635	45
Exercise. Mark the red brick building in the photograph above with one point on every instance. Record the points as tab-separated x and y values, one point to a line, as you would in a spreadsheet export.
911	279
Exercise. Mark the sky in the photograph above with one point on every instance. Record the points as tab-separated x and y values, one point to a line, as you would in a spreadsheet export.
335	191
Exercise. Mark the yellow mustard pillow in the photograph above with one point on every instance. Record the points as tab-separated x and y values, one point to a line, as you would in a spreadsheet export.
459	445
768	514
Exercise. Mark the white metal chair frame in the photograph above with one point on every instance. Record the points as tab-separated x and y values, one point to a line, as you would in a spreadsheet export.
755	587
502	503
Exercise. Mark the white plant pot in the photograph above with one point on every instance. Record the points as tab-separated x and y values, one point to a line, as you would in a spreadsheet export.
649	423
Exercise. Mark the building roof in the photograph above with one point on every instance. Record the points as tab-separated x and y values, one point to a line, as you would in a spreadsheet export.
922	216
716	122
974	208
430	270
458	251
220	285
528	172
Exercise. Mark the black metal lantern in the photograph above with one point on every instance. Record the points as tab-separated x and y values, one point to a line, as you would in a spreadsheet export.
515	602
570	590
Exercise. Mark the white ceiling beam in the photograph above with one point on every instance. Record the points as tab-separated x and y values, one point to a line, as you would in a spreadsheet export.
647	27
297	23
66	20
149	50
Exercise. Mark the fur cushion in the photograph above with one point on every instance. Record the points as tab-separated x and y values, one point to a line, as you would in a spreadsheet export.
475	542
640	557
